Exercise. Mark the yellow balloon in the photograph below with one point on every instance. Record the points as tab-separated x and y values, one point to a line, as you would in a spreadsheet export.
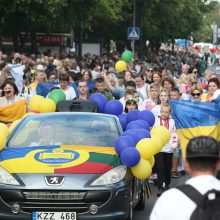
3	140
47	105
4	130
152	161
146	148
13	125
162	133
158	143
34	102
142	170
120	66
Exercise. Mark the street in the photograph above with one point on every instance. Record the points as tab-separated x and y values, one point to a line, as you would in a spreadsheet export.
144	215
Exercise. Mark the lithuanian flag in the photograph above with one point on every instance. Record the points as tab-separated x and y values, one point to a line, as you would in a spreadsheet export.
194	119
12	112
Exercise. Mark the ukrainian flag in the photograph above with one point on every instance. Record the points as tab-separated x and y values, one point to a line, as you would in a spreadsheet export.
194	119
12	112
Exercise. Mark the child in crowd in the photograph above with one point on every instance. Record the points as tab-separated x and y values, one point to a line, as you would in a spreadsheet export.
164	158
175	95
163	99
131	104
154	97
101	88
128	94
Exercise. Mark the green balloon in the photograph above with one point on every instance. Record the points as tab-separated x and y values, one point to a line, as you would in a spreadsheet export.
127	56
57	95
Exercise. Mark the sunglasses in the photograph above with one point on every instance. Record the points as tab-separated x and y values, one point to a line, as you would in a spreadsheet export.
196	94
195	72
150	70
194	83
7	91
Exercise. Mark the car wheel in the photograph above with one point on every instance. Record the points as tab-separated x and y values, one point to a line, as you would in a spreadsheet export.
141	202
130	216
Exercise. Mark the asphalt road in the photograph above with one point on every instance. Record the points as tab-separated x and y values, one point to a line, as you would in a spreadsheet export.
144	215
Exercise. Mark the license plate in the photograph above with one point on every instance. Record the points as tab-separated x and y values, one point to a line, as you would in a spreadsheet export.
54	216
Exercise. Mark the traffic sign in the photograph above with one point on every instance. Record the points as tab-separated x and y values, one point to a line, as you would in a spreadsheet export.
134	33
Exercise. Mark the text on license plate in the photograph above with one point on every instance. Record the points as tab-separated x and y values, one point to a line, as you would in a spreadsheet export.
54	216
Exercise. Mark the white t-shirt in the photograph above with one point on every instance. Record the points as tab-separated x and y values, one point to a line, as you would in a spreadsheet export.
69	92
156	110
17	71
175	205
144	91
148	104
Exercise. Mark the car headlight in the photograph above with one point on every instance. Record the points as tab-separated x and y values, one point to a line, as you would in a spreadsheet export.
7	178
112	176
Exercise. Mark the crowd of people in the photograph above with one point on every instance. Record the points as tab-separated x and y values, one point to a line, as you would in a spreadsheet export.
148	84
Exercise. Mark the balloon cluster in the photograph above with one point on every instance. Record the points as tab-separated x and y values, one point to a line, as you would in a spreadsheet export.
139	143
39	104
121	65
112	107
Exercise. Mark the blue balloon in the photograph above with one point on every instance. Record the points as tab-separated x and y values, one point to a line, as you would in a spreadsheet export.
130	157
130	133
137	124
142	133
113	107
124	142
123	121
137	134
147	116
100	99
132	115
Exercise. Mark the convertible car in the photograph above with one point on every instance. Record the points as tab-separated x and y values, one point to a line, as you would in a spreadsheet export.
63	166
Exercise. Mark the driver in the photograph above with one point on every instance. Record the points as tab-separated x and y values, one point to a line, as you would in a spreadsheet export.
46	135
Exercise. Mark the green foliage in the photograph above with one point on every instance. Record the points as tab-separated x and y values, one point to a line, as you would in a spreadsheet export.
160	20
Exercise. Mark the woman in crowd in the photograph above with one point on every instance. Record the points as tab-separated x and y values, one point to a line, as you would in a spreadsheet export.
168	83
87	76
213	85
156	78
128	76
68	90
9	93
196	93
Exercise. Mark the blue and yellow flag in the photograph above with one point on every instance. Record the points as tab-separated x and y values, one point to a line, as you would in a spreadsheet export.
12	112
194	119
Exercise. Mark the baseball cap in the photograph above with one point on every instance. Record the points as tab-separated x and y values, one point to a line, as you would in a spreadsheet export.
202	147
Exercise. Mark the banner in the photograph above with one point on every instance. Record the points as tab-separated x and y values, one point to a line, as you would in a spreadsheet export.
12	112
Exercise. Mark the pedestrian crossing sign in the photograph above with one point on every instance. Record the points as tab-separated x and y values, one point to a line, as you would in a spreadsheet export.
134	33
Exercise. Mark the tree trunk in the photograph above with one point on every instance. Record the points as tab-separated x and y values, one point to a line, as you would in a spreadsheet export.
23	40
173	43
1	38
15	41
33	39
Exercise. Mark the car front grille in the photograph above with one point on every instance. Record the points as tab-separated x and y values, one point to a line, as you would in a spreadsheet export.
69	201
58	195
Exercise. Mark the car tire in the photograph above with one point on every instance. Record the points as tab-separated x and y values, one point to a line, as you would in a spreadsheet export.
141	203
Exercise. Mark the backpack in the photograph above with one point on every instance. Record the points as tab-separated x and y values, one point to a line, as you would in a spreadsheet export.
208	205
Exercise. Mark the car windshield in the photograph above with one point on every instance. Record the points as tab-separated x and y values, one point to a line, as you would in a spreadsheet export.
56	129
